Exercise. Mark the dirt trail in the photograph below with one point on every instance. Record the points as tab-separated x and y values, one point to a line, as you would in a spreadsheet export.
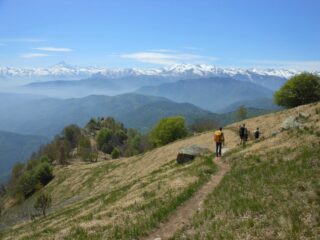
183	214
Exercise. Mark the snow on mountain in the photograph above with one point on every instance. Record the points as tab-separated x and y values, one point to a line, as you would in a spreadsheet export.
270	78
65	71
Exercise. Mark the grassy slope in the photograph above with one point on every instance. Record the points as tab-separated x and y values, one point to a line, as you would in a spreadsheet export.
126	198
273	189
116	199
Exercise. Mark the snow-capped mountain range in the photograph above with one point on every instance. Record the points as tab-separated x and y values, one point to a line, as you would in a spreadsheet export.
63	71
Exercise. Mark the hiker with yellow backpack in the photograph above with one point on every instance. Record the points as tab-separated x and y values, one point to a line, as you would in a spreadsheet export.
219	139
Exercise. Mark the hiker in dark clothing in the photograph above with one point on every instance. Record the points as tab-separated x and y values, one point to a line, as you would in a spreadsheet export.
257	134
241	133
219	139
245	135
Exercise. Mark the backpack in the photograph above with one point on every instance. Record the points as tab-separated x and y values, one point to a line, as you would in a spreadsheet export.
241	131
218	136
256	134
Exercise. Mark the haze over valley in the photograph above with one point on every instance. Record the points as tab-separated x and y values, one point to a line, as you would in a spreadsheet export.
158	120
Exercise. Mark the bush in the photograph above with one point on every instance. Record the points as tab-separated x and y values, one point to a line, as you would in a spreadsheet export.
28	184
42	203
300	89
115	153
44	173
72	134
168	130
85	151
16	173
103	137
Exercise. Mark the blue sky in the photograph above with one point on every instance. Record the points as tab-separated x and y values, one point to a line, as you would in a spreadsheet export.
153	33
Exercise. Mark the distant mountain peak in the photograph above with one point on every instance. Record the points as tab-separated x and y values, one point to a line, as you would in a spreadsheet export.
66	71
62	64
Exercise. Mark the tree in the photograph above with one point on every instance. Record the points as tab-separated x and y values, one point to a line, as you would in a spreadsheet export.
72	134
85	151
16	173
103	137
242	113
42	203
301	89
168	130
92	125
28	184
115	153
44	173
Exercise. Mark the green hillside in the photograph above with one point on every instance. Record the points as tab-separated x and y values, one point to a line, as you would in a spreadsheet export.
48	116
271	190
16	148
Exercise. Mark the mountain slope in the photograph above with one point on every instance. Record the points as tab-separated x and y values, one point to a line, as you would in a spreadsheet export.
48	116
208	93
272	190
16	148
95	85
259	103
266	193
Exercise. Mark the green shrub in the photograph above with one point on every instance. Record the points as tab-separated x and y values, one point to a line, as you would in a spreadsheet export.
72	134
115	153
42	203
85	151
103	137
168	130
298	90
44	173
28	184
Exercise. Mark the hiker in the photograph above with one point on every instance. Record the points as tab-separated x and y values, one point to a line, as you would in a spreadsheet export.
219	139
241	133
245	135
257	133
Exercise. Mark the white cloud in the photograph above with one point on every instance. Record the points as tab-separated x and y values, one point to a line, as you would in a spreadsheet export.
309	65
53	49
166	57
22	40
34	55
163	50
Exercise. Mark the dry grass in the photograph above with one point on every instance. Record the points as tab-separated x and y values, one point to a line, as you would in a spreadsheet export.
101	197
272	190
100	200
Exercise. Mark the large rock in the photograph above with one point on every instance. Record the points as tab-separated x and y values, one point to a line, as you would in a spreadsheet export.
187	154
291	122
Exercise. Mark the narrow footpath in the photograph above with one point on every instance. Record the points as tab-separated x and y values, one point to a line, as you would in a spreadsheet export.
184	213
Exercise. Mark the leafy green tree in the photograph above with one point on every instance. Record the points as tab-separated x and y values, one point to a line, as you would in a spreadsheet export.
44	173
42	203
72	133
85	151
301	89
115	153
111	124
28	184
168	130
16	172
103	138
242	113
93	125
